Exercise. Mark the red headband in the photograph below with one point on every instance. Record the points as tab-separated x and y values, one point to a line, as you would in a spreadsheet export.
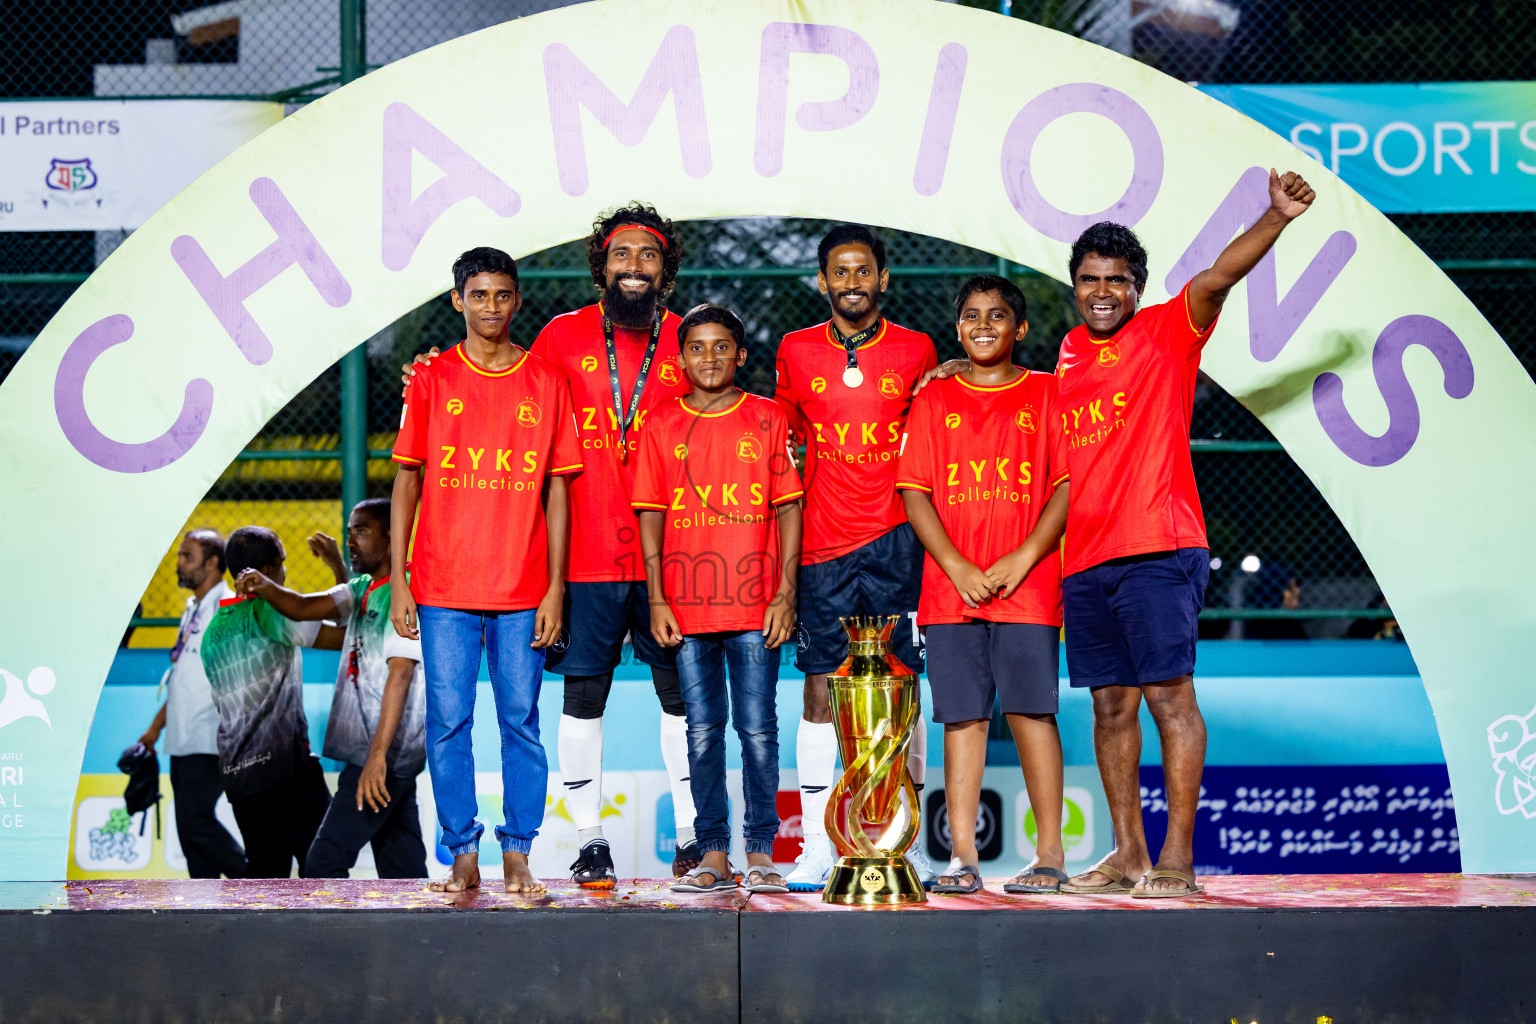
635	227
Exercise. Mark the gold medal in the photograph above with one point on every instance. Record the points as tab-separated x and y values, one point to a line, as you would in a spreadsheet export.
853	376
623	453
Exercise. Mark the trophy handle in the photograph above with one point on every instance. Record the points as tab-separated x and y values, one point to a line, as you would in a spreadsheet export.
856	845
909	833
882	749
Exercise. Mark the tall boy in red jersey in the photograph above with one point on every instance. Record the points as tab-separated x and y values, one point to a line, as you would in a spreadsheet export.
1136	555
620	356
984	479
487	441
718	499
847	385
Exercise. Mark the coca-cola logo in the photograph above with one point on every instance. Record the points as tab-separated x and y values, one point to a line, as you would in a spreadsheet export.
786	844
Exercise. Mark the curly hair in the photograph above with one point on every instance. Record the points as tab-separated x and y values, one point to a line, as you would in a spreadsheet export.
1110	241
635	213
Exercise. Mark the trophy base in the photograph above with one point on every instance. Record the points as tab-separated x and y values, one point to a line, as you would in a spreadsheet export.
873	882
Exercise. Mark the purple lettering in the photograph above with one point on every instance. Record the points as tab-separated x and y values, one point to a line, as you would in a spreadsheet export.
226	296
1402	407
1271	320
939	126
780	40
69	406
572	85
406	220
1080	97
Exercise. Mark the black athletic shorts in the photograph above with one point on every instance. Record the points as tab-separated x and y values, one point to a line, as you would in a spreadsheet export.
597	617
884	577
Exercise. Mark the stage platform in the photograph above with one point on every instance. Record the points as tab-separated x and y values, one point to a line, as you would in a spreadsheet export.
1373	949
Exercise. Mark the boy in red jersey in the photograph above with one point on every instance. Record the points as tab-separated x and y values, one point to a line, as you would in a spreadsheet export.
718	500
847	385
1136	555
487	441
620	356
983	477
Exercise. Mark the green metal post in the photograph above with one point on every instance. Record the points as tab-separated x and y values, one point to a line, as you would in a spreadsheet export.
354	365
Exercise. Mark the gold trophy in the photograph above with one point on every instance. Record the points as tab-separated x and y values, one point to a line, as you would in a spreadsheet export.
876	704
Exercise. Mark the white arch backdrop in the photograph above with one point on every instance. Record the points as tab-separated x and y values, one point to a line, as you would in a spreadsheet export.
1381	379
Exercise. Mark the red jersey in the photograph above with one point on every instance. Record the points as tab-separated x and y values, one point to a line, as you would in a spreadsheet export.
990	458
717	477
852	435
485	442
1125	406
605	542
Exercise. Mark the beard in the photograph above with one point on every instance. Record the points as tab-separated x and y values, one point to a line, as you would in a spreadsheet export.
631	311
869	305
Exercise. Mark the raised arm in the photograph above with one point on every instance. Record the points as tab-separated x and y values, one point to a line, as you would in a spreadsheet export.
1289	197
289	603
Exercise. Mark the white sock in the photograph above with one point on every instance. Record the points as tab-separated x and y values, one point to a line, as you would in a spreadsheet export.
816	763
917	755
674	753
581	770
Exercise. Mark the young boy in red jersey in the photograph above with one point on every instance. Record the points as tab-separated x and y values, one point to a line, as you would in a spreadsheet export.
718	499
487	442
983	478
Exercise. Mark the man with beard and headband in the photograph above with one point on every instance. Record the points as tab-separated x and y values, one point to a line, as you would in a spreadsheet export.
847	386
621	357
191	720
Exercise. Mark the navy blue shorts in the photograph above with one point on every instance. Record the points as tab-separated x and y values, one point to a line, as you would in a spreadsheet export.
597	616
971	662
1134	620
884	577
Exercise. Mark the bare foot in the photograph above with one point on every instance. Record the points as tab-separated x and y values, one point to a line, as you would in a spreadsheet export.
514	870
464	875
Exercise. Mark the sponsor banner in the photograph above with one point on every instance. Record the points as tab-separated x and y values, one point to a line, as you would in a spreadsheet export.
1334	819
83	165
1430	148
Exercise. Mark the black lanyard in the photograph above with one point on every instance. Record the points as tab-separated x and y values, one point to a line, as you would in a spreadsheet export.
616	387
852	342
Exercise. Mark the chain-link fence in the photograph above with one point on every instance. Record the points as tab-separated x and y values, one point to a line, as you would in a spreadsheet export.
1280	556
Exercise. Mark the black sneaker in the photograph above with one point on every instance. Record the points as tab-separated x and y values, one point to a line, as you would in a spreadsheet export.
593	868
686	857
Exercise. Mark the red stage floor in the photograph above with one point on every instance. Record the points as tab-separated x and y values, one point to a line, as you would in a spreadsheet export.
1267	892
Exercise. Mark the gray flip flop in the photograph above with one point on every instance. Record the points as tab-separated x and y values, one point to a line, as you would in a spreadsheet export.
691	883
1019	888
959	888
762	884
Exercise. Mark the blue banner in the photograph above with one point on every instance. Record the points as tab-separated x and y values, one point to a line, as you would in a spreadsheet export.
1323	819
1436	148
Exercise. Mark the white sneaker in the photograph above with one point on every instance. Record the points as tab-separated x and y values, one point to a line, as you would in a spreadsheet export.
812	866
920	863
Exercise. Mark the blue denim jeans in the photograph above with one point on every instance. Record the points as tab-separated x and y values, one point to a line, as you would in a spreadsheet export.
451	642
753	678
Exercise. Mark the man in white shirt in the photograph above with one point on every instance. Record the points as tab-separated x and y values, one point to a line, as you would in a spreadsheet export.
190	720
